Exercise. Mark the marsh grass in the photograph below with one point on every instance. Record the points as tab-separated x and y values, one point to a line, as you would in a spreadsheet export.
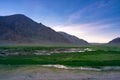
90	58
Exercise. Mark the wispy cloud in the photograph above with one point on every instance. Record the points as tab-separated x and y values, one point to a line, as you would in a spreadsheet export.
90	11
91	30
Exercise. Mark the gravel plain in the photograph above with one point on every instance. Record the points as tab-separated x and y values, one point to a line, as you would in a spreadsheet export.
36	72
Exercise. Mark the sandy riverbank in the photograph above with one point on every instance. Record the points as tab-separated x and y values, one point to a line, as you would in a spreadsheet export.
49	73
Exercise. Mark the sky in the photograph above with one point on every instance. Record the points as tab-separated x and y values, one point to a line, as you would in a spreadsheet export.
91	20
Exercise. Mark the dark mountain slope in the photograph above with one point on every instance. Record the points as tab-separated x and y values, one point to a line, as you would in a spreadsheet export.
19	29
114	42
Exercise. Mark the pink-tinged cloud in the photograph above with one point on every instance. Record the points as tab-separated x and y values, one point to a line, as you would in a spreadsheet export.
92	32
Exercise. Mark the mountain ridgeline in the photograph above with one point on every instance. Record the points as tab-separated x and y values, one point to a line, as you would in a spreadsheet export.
19	29
74	39
114	42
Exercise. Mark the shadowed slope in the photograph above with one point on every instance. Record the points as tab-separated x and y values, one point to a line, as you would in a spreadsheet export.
19	29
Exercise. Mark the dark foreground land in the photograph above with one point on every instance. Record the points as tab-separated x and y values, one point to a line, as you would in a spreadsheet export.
44	73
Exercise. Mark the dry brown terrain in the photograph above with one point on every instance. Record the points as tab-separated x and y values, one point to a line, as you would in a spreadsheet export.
45	73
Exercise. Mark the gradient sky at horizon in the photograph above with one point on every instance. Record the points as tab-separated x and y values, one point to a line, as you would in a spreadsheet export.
92	20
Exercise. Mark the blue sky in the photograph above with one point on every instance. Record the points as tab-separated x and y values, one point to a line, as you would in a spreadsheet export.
92	20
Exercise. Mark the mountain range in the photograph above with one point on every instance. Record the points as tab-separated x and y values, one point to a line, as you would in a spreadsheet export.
19	29
114	42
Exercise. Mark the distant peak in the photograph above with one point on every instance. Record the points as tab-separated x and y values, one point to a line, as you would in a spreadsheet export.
17	15
40	23
118	38
62	32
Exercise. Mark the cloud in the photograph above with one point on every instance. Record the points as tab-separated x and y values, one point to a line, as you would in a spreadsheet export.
90	11
93	32
83	28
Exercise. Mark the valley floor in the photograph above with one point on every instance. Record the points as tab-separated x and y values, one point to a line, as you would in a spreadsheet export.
37	72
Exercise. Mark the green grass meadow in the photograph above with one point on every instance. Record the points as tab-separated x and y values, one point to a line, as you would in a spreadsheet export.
102	56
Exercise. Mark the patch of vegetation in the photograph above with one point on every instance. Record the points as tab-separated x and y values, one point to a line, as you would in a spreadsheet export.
105	48
90	58
33	48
